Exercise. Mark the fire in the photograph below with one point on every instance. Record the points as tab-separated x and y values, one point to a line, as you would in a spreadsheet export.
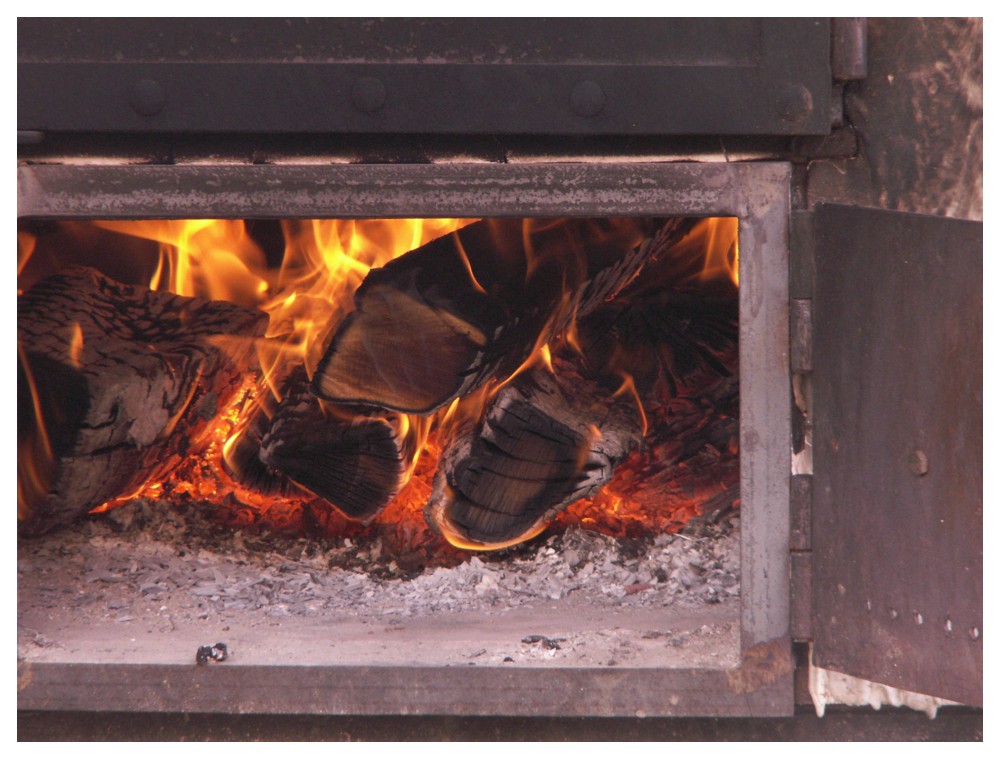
34	454
307	291
628	386
25	247
715	243
75	345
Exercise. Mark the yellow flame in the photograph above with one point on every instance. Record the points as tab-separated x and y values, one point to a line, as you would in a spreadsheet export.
75	345
628	386
34	454
466	263
460	541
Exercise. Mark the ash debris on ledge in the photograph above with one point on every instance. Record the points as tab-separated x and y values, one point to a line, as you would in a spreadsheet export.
165	565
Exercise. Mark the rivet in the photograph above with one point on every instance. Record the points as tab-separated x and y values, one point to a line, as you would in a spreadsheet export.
918	618
368	94
147	97
587	99
841	590
974	633
893	614
869	605
918	462
948	626
794	102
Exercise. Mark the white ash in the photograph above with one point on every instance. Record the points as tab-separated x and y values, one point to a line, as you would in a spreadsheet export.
154	557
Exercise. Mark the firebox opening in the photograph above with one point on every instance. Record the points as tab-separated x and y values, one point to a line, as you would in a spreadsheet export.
351	410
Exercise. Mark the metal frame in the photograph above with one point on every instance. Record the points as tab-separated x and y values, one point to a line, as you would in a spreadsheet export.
756	193
425	76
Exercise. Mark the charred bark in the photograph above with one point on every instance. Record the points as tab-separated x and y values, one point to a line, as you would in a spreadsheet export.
116	383
547	441
544	442
444	319
355	461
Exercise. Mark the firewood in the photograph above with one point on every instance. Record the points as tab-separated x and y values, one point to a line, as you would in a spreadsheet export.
440	321
355	459
547	441
116	383
544	442
683	340
241	453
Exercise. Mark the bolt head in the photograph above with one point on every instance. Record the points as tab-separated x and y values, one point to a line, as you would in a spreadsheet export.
147	97
588	99
794	103
368	94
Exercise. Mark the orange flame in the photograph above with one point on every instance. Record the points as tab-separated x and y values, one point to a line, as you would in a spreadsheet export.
715	244
306	297
25	247
75	345
34	447
628	386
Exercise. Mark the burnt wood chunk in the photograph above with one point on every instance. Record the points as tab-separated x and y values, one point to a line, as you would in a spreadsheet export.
357	462
547	441
440	321
241	453
116	383
544	442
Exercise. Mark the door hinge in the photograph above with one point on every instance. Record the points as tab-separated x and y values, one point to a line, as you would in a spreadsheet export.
849	49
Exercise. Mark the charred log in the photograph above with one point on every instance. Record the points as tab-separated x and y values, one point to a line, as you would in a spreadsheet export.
683	341
545	442
241	454
357	462
442	320
116	383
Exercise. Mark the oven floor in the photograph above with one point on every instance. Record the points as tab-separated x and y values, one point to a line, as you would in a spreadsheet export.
123	591
697	637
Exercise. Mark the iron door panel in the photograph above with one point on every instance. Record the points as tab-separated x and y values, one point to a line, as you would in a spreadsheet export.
898	431
426	76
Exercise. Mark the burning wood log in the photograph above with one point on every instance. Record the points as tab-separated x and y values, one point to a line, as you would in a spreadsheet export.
116	383
547	441
357	462
685	341
442	320
544	442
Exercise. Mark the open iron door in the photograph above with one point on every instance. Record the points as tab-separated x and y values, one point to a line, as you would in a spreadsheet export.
898	450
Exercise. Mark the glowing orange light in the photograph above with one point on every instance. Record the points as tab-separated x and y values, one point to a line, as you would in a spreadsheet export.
628	386
75	345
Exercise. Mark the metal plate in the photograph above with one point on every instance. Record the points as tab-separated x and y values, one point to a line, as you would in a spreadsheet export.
426	76
898	450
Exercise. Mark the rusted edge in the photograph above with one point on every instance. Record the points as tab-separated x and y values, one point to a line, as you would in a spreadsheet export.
763	664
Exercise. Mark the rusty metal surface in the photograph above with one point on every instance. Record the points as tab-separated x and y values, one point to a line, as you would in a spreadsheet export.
801	500
919	118
857	724
801	595
403	190
760	687
897	496
425	76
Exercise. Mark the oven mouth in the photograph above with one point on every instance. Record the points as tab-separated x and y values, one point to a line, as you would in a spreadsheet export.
754	195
